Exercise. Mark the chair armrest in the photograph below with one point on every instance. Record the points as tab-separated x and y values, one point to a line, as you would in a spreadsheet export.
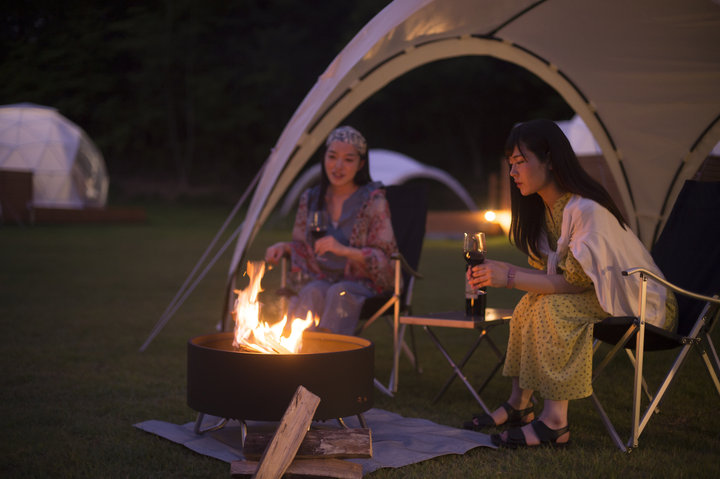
669	285
399	257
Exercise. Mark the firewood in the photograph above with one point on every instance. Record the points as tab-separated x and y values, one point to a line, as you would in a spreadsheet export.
335	468
290	433
338	443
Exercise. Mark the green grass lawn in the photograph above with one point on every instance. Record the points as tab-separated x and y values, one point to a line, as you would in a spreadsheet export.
77	301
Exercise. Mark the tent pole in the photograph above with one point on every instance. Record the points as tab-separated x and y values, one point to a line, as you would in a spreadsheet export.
181	295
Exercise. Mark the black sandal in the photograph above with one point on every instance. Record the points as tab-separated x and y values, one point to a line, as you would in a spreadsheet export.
516	438
514	418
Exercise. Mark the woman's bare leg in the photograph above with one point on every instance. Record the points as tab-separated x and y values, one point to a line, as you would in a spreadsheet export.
519	399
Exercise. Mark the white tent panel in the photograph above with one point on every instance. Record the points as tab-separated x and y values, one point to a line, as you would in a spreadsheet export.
388	167
55	191
580	137
53	157
653	78
15	160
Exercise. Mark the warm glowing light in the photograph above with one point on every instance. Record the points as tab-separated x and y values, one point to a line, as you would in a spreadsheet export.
502	218
259	336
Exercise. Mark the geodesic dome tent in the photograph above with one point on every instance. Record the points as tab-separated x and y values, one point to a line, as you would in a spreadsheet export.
68	171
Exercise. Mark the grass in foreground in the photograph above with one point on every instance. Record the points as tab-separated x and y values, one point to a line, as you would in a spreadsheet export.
76	302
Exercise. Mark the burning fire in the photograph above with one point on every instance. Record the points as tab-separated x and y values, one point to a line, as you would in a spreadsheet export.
259	336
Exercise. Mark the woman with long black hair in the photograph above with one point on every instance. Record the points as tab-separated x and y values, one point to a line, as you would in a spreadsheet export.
577	244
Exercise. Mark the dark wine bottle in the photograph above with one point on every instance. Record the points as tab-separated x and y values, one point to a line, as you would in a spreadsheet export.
475	305
474	301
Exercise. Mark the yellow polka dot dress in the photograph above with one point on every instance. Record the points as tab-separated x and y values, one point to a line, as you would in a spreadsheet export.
550	344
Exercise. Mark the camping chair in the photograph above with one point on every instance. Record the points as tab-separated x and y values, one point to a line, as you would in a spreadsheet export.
408	211
688	255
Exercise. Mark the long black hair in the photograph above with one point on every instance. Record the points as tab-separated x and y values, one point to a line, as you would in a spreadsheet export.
362	176
547	141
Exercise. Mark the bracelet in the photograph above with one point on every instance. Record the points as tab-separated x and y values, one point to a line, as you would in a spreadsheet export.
510	278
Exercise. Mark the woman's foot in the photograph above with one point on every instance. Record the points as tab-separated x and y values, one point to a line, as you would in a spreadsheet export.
536	433
505	414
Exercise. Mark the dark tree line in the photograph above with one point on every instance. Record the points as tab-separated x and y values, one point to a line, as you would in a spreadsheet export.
197	92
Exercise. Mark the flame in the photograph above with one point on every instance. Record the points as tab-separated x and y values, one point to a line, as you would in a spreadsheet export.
259	336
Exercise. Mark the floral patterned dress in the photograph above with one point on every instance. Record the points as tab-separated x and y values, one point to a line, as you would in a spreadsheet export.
550	343
334	288
364	224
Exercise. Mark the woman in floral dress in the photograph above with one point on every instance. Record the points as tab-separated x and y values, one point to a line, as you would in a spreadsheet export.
335	274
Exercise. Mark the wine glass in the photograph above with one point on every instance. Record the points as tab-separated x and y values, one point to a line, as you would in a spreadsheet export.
318	224
474	248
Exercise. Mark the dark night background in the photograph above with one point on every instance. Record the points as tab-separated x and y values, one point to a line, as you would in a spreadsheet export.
191	95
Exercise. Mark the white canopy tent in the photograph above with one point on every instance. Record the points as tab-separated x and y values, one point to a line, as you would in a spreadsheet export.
388	167
583	142
68	171
643	76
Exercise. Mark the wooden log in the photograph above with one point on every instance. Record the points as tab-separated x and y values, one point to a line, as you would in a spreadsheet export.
304	467
290	433
338	443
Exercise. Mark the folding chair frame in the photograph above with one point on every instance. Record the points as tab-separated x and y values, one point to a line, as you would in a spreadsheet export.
395	301
699	337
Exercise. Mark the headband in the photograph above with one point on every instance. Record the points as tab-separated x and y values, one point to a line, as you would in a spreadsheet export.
348	134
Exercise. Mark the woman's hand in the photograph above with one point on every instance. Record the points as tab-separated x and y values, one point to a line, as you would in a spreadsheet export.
276	251
490	273
328	244
495	274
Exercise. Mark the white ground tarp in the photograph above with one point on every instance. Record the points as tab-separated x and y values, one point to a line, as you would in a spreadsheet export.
643	75
68	169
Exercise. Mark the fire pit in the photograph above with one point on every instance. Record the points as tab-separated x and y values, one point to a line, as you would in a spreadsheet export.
236	384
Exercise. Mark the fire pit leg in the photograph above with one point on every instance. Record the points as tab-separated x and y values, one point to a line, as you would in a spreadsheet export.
361	419
243	432
215	427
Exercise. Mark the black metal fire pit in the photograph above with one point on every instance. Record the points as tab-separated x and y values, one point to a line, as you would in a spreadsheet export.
233	384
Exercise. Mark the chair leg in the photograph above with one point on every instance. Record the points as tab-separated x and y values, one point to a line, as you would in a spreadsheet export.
413	346
639	362
608	424
406	349
382	388
645	387
669	377
611	354
712	364
379	313
713	351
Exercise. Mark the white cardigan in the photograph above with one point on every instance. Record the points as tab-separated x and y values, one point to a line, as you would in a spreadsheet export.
604	249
